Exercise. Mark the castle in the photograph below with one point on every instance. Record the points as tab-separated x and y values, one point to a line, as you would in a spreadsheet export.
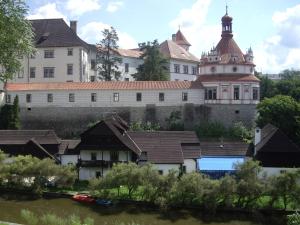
58	86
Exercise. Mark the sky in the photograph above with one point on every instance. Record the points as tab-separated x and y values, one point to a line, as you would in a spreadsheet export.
270	27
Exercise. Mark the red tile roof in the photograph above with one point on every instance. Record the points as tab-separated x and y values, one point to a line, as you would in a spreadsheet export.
229	77
180	39
172	50
227	46
130	53
105	85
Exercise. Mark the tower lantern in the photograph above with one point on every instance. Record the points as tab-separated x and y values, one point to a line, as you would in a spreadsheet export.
227	25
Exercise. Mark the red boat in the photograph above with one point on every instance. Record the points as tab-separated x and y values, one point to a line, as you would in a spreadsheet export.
83	198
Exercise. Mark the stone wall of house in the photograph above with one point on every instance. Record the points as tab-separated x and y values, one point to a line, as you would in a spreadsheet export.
71	121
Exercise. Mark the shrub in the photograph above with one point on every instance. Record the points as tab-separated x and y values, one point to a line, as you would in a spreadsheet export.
293	219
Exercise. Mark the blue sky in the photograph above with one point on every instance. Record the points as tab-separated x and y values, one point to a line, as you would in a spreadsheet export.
270	27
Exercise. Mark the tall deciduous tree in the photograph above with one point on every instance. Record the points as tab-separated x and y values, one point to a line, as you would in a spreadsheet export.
155	66
283	112
107	58
15	37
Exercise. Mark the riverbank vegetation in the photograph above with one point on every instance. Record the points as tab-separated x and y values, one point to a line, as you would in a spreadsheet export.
27	173
247	189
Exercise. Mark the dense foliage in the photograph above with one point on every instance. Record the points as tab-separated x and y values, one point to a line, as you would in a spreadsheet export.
248	188
294	219
174	121
155	66
33	174
9	116
148	126
283	112
107	57
15	37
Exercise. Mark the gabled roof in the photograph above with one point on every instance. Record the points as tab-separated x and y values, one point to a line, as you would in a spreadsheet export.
229	77
129	53
170	147
21	137
180	39
34	144
274	140
104	85
211	147
55	33
172	50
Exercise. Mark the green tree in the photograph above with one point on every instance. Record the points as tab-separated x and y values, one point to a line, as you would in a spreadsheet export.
290	74
14	122
174	122
267	87
155	66
15	37
148	126
293	219
107	58
227	191
281	111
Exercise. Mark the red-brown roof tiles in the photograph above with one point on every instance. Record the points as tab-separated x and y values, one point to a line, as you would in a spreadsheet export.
180	39
105	85
229	77
130	53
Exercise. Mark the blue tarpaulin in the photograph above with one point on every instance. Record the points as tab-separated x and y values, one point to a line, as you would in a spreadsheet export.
218	163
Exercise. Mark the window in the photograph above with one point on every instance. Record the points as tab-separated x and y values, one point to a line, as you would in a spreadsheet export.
8	98
183	169
176	68
28	98
70	69
93	64
48	72
71	97
116	97
161	97
70	51
48	54
184	96
160	172
32	72
98	174
234	69
93	156
93	78
211	93
213	69
49	97
194	70
185	69
21	73
138	97
114	156
255	93
93	97
126	67
236	93
126	79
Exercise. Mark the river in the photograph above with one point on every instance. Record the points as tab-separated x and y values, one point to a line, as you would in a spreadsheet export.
10	211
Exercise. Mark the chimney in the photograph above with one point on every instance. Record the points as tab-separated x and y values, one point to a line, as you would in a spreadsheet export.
257	138
73	25
173	37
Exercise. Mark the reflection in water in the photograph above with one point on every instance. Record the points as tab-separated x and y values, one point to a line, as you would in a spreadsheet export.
10	211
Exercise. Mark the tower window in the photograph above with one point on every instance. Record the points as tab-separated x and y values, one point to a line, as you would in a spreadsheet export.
236	93
255	93
211	93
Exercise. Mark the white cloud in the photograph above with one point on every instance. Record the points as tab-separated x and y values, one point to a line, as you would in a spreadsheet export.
47	11
192	22
79	7
282	50
92	33
114	6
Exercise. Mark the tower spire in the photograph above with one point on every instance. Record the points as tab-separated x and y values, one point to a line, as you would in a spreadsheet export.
226	9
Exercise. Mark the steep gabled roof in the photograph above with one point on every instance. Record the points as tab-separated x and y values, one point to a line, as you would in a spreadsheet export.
55	33
180	39
172	50
227	47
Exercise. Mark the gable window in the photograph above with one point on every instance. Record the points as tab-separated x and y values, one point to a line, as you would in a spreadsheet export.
138	97
49	97
32	72
48	72
28	98
48	54
185	69
126	67
194	70
114	156
93	64
184	96
93	156
236	93
70	69
211	93
71	97
93	97
8	98
116	97
21	73
161	97
176	68
70	51
255	93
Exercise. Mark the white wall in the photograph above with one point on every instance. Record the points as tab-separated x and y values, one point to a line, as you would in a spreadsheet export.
60	61
133	65
190	164
182	76
167	167
68	159
226	69
269	171
127	98
123	155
